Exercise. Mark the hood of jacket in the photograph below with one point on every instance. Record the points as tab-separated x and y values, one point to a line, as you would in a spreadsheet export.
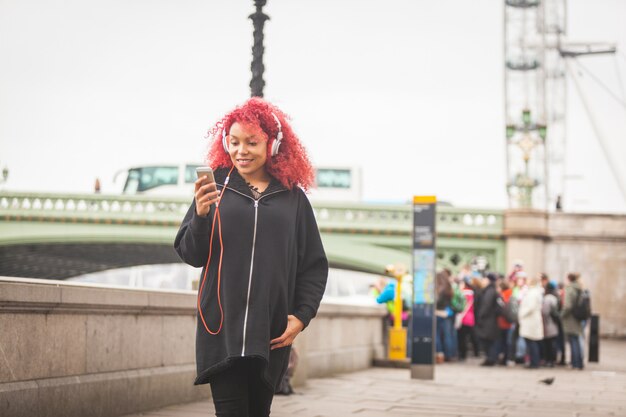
237	183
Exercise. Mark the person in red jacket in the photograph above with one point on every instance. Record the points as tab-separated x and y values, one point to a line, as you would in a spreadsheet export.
506	333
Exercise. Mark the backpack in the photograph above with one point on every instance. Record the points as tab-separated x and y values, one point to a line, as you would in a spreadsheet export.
511	310
458	301
582	308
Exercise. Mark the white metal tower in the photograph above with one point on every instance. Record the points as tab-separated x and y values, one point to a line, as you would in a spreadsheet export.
553	27
525	104
536	65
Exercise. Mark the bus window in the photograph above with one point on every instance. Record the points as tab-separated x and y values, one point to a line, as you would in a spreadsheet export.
146	178
132	182
334	178
190	173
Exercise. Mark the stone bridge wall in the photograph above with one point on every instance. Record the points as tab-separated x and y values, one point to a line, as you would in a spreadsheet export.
71	349
592	244
595	246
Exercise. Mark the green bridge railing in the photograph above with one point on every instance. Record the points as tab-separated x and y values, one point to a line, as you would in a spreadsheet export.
462	234
340	217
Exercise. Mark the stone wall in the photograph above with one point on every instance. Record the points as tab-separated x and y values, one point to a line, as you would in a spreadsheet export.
592	244
595	246
342	338
71	349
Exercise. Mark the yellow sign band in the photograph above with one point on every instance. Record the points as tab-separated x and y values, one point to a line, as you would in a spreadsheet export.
424	199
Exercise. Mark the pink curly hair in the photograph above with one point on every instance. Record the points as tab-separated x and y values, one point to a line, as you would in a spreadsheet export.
291	166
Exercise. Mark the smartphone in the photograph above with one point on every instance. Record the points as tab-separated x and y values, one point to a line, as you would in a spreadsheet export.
205	172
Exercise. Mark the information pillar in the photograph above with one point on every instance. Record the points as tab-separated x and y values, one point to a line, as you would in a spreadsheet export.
423	317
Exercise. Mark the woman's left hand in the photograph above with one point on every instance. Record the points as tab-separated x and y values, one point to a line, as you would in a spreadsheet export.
294	327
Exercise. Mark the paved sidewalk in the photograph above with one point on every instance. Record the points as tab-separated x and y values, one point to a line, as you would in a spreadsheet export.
459	389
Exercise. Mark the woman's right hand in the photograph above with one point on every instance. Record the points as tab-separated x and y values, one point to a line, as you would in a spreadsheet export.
206	194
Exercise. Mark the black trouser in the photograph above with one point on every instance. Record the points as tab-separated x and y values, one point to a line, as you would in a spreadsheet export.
464	333
491	349
532	348
239	390
560	342
549	349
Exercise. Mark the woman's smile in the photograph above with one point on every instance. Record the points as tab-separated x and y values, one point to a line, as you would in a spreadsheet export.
244	162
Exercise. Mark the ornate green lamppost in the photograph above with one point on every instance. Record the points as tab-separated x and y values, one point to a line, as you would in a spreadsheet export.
257	67
527	137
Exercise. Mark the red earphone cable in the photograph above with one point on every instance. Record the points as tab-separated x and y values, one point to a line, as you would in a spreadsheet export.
206	270
219	267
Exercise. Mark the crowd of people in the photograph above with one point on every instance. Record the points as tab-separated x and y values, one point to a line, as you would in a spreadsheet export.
515	319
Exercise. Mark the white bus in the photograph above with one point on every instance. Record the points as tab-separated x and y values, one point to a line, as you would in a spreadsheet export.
158	179
338	184
333	183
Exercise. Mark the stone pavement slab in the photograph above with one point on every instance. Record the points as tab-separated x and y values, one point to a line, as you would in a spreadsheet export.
459	389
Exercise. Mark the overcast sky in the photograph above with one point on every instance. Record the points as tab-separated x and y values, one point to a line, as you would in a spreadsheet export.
411	91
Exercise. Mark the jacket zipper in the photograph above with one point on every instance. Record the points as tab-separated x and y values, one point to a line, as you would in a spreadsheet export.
256	212
245	318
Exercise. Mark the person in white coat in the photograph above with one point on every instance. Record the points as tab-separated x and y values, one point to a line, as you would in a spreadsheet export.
531	321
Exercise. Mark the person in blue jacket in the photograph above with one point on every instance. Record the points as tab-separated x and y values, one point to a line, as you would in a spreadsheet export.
387	296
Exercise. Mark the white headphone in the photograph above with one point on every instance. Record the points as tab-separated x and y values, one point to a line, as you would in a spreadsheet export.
275	143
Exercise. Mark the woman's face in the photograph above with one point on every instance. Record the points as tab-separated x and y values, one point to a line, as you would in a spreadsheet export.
247	146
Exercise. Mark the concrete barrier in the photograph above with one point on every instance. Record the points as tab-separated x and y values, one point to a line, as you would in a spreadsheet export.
70	349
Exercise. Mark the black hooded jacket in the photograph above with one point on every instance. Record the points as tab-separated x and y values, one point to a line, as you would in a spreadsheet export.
488	309
273	265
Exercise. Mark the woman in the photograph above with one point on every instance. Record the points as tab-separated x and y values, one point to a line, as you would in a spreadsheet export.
572	327
489	308
466	331
550	315
254	232
445	317
505	341
531	322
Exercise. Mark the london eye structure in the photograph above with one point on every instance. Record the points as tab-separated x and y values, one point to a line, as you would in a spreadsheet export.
535	88
537	64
